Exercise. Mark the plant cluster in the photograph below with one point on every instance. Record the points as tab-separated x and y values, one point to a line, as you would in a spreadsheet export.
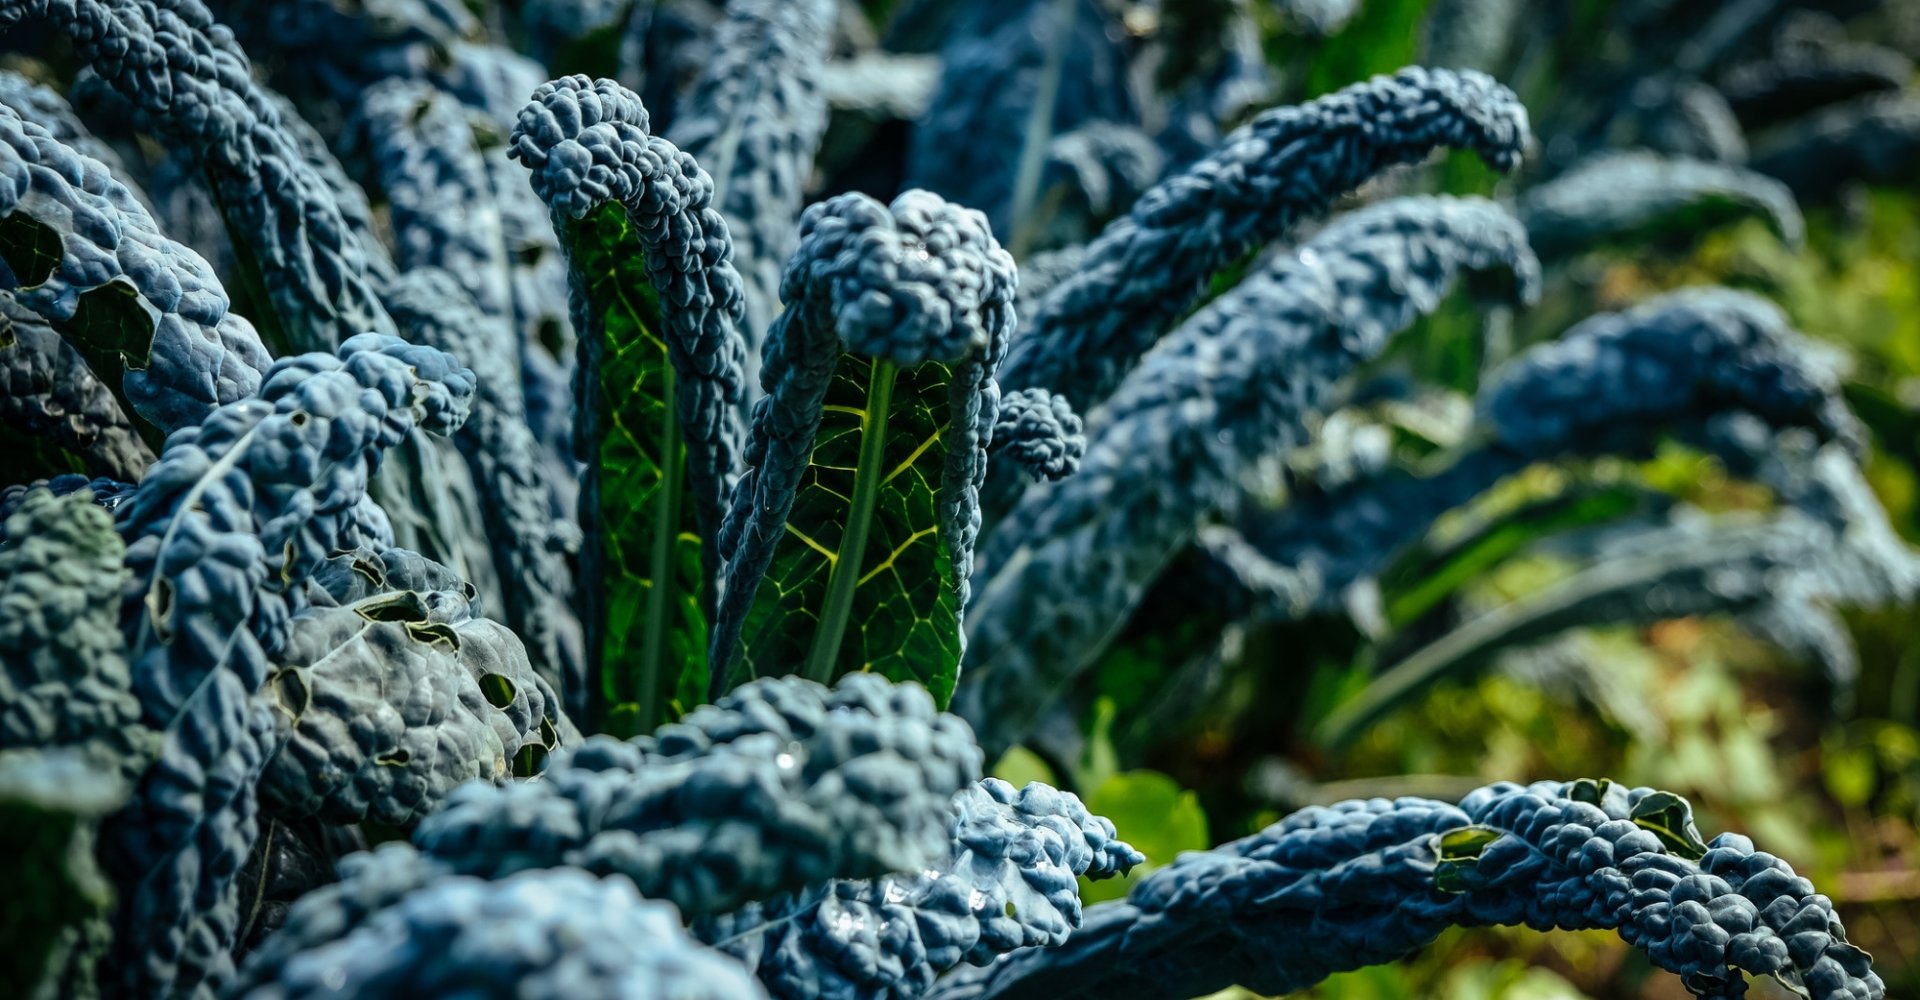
484	528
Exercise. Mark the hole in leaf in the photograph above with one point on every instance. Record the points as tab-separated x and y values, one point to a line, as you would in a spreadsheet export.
405	606
552	339
375	573
160	609
498	689
393	758
298	418
1670	818
434	632
1011	910
287	556
8	337
30	247
112	328
1458	851
291	694
549	736
1590	791
528	760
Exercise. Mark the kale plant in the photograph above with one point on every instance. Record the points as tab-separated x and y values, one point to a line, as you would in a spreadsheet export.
563	498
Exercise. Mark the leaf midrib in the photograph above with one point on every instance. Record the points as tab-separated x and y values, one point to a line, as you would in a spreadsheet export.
844	578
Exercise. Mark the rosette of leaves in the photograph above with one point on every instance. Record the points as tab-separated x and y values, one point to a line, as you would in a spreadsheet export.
850	541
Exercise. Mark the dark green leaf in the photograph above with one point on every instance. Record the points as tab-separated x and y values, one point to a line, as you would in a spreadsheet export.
861	580
1670	817
30	248
642	576
1458	850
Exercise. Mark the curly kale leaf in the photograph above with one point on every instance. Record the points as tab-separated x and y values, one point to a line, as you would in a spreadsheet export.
420	152
754	121
1013	73
1616	197
1809	70
1613	384
656	303
1365	882
1874	139
145	313
1150	266
1039	430
850	542
66	682
223	533
1010	880
527	542
393	701
1236	383
61	411
538	935
190	83
779	785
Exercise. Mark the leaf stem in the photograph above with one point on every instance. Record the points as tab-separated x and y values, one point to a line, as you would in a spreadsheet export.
853	544
660	571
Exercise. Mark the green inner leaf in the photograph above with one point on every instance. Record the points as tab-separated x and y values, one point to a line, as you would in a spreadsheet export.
861	579
30	248
647	625
1670	818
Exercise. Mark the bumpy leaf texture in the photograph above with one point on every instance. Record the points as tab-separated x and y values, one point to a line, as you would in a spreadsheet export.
657	305
1149	267
1009	881
57	405
1012	74
419	146
1613	197
393	701
65	681
539	935
1613	384
1039	430
1365	882
223	532
1235	384
107	493
860	506
754	121
190	84
779	785
1874	139
528	544
83	253
1092	174
46	108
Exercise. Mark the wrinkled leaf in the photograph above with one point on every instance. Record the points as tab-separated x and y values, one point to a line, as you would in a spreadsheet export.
859	580
642	562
